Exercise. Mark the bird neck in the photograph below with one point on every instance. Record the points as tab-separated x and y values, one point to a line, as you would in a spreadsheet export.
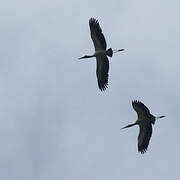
88	56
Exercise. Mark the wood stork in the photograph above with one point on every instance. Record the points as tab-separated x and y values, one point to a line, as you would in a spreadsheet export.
100	53
145	121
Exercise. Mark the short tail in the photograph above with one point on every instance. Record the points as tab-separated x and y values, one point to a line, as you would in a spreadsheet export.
109	52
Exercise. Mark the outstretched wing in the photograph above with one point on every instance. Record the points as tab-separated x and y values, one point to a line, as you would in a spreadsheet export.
141	109
97	35
102	71
144	137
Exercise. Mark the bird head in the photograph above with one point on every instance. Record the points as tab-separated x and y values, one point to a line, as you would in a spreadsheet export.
125	127
83	57
129	125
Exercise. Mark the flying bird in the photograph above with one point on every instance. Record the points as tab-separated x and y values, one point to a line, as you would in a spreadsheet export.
100	53
145	121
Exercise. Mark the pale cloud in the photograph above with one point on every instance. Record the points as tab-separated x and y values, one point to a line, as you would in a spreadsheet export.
55	123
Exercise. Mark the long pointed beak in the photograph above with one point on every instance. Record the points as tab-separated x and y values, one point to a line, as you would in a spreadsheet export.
125	127
81	57
129	125
84	57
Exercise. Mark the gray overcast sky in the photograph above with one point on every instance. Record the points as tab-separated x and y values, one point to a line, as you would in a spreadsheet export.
55	123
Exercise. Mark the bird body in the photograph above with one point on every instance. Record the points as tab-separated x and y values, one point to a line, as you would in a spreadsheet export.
100	53
145	121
